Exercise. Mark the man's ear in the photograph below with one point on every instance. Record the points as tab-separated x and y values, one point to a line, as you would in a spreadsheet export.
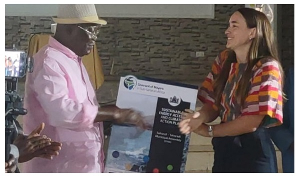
70	29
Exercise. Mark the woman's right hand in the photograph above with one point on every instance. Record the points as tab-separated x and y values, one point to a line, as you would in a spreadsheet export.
190	121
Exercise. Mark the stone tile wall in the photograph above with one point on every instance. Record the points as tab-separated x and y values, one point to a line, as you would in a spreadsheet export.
157	47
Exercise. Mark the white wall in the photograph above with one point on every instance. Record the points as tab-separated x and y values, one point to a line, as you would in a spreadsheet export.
125	10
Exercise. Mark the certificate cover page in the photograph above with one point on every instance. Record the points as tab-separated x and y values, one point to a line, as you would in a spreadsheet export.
161	148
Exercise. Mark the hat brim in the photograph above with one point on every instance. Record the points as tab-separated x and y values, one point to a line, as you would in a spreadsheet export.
78	21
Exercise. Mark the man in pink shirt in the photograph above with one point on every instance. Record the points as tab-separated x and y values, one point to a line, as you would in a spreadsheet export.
59	93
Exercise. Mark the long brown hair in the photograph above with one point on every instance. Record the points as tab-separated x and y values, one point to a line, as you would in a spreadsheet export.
262	46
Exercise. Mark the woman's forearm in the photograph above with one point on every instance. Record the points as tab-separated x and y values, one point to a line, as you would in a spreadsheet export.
239	126
208	114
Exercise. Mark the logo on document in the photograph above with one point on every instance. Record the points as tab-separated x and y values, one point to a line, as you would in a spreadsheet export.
130	82
174	101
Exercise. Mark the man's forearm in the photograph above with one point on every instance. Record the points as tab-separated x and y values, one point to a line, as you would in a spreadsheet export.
106	113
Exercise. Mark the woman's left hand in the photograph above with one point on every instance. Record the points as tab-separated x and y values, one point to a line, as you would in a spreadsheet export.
190	121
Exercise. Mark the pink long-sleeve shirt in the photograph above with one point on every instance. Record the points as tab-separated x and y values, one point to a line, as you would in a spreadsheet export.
59	93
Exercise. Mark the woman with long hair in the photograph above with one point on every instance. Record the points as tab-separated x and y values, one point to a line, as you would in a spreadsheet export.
244	86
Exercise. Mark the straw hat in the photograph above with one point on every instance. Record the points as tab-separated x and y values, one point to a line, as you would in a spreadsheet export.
77	13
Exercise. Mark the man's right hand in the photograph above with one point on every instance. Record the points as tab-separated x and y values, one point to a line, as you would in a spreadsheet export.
120	116
129	116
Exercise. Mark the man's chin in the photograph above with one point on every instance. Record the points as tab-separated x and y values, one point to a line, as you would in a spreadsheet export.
85	53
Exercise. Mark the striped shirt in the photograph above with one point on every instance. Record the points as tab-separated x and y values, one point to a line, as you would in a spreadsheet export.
265	92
